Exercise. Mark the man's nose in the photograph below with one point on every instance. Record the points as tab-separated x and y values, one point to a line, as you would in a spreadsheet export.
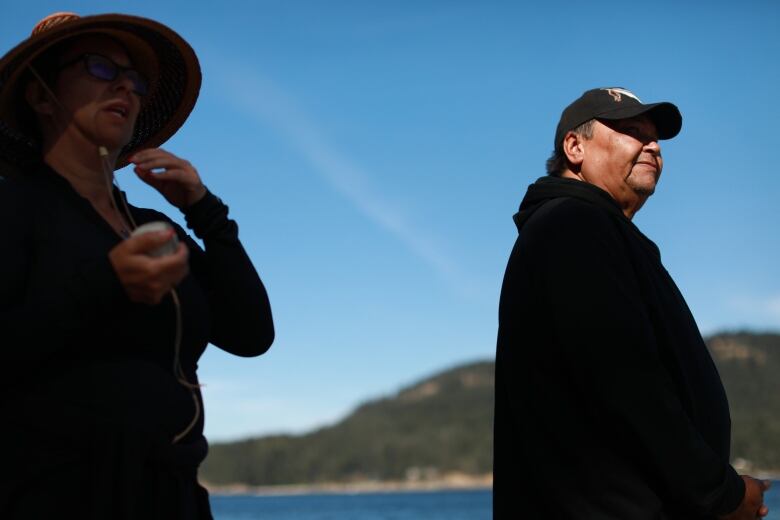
653	147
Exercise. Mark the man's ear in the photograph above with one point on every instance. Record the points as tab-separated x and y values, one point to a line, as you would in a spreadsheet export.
38	99
573	148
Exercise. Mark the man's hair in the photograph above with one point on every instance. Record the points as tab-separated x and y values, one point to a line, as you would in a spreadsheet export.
558	162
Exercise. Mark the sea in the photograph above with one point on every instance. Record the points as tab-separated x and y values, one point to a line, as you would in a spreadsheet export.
418	505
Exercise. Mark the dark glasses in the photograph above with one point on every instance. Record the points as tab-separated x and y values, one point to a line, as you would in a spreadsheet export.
106	69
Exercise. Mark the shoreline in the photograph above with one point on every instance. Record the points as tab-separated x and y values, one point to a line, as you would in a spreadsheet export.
455	482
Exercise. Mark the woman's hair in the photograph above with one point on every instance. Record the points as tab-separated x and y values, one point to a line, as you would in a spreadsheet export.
558	162
46	67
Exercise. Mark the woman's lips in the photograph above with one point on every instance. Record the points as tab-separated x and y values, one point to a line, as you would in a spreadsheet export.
121	109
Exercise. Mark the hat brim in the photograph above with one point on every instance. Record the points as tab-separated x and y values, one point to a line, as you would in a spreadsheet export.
158	51
666	117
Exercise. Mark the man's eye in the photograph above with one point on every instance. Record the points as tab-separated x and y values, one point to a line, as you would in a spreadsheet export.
635	132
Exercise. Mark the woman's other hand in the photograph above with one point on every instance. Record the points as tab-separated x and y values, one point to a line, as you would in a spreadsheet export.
175	178
144	278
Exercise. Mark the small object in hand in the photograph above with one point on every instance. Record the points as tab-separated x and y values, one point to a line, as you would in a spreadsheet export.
167	248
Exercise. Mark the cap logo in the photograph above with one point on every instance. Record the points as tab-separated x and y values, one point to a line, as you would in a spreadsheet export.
618	93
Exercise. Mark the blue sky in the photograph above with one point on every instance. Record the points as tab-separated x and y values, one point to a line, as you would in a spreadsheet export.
373	154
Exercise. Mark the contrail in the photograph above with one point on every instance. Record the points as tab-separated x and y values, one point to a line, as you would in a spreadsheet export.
269	104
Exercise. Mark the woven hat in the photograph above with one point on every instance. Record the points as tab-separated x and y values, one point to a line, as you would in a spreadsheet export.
157	51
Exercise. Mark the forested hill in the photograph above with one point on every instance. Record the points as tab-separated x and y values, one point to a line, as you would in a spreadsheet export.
443	425
749	366
439	425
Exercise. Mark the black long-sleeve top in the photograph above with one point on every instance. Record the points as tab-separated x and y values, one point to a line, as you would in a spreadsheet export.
608	404
88	374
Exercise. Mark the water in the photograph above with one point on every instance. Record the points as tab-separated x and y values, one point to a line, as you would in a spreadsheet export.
441	505
772	501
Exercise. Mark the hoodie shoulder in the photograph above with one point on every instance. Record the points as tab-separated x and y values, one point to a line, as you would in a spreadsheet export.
570	224
564	214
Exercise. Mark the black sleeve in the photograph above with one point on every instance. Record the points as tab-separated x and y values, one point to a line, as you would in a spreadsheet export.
34	323
241	312
600	319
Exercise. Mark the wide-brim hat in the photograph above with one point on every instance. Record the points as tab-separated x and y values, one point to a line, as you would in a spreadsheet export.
612	103
157	51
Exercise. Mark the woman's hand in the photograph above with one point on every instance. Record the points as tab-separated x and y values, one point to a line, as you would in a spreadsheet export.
144	278
176	179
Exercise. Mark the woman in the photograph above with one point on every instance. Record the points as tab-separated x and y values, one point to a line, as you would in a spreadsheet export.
100	339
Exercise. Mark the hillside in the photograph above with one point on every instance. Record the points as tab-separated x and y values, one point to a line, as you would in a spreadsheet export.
443	424
749	366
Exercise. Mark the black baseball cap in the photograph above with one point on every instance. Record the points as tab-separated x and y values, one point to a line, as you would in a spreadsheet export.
617	103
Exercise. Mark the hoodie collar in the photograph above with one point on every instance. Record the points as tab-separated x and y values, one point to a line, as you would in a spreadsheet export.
548	188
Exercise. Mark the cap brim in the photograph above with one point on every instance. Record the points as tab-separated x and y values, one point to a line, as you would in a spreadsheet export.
666	117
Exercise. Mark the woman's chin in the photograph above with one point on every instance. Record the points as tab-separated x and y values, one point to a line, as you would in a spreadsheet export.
112	143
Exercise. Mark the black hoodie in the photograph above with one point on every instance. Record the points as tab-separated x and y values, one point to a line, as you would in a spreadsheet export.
608	404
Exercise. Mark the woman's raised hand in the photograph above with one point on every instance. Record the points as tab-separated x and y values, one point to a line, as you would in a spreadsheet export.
175	178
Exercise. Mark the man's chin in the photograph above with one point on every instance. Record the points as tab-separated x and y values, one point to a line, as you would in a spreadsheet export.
644	191
644	185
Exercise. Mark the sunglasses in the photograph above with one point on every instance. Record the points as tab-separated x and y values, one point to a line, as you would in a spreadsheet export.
106	69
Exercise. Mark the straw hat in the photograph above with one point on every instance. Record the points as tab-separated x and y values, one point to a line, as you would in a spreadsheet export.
157	51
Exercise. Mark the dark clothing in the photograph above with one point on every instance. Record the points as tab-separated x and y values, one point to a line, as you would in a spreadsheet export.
88	398
608	404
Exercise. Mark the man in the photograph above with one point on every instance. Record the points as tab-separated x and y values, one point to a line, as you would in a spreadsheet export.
608	405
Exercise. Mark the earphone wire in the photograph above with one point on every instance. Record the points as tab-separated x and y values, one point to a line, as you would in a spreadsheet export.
111	181
49	92
178	371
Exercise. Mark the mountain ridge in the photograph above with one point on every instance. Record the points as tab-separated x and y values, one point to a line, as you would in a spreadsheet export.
442	425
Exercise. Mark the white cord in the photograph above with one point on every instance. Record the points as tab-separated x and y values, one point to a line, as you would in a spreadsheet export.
178	371
108	171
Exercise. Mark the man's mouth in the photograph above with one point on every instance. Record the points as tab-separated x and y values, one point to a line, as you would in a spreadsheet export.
651	164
